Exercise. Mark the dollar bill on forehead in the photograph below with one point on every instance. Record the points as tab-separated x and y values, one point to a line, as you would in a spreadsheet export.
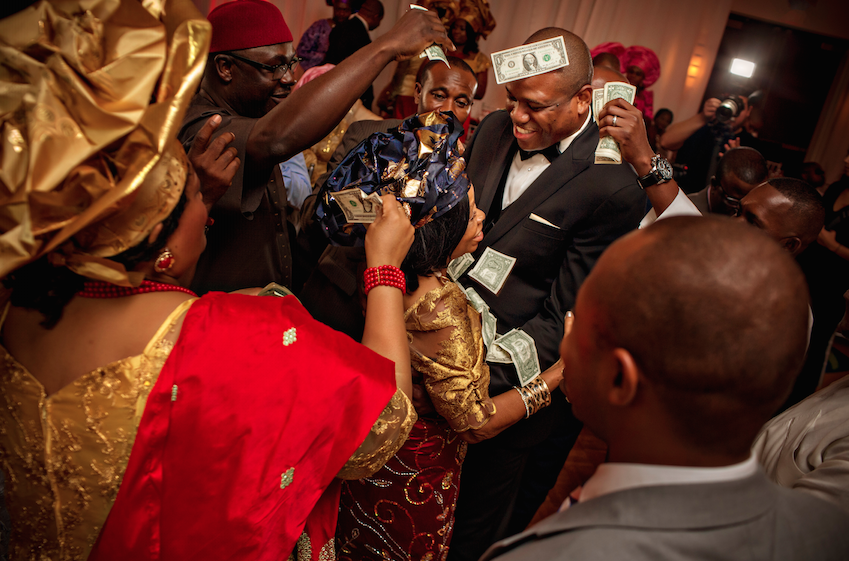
529	60
434	52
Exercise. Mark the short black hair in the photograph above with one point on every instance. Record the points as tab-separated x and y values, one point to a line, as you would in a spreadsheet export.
746	163
434	243
808	207
579	72
662	111
454	62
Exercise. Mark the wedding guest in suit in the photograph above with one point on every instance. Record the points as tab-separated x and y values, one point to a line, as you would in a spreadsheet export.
352	35
679	403
554	212
739	171
329	292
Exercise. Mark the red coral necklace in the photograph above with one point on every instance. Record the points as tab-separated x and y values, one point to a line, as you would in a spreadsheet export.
101	289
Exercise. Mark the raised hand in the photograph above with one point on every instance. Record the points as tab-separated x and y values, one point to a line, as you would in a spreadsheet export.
390	236
215	163
414	32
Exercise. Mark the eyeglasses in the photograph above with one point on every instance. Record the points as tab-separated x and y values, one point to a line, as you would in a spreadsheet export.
732	202
277	71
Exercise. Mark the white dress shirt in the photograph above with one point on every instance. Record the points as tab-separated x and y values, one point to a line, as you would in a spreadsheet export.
523	173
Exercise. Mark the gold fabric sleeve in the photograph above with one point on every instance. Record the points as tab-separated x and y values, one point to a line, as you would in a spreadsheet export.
385	438
457	377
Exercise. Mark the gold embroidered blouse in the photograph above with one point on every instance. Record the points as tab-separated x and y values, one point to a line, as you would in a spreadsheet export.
457	378
64	455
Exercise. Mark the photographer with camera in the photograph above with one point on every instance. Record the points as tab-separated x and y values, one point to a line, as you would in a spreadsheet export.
701	138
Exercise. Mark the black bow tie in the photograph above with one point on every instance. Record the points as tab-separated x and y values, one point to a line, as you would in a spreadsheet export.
549	153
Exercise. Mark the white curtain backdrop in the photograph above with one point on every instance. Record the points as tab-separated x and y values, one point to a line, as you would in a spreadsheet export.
685	34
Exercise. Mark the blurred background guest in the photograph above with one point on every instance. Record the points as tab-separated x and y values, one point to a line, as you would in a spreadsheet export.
314	42
656	127
642	67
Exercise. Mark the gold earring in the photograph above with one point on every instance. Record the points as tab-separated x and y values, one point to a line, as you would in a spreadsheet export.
164	262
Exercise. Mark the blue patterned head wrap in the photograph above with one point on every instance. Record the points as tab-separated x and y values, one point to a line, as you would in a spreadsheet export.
418	162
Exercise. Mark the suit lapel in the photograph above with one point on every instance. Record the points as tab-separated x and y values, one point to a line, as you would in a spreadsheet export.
571	163
503	152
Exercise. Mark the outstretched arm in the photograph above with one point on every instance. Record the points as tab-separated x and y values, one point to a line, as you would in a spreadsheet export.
677	133
312	111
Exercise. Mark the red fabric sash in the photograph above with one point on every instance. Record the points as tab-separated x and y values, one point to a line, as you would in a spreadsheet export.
205	478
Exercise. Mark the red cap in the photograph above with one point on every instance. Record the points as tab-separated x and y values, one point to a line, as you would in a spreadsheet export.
244	24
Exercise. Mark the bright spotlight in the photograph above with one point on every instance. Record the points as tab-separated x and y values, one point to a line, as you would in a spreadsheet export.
742	67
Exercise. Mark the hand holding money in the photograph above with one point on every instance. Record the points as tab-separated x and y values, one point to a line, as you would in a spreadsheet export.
629	133
413	33
607	151
389	237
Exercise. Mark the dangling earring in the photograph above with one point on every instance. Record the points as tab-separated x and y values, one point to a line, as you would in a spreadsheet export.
164	262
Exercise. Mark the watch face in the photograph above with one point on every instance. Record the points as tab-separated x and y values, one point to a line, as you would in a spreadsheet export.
664	169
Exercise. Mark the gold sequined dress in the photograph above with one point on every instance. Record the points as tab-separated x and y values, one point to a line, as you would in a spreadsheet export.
406	510
65	455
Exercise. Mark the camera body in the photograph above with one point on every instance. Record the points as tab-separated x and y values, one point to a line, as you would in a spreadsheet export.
730	107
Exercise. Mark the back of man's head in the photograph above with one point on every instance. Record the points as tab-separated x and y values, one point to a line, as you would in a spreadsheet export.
714	315
579	72
607	60
372	12
746	163
605	74
808	213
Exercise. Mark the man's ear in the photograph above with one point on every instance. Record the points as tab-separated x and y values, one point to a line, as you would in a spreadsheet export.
154	233
584	97
792	244
417	94
622	389
224	67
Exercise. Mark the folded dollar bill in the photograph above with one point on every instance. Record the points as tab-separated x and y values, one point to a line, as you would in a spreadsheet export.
357	207
529	60
434	52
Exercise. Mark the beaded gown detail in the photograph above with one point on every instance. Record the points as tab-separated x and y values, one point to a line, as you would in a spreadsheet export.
406	510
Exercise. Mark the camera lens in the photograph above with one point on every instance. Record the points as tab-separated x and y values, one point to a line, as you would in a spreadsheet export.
727	110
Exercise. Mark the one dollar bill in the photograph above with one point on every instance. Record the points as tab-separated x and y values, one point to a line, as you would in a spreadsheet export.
525	61
608	151
357	207
434	52
523	350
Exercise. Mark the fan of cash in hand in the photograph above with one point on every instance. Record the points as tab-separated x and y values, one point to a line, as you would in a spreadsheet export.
607	151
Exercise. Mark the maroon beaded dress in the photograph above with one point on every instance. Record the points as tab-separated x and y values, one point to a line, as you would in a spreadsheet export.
406	510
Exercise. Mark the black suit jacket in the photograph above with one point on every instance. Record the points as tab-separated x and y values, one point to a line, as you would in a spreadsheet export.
590	205
346	38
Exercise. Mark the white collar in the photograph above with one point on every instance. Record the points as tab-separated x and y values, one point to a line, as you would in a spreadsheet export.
566	142
613	477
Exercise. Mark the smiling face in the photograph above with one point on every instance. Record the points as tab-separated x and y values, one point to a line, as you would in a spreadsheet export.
542	112
446	89
254	92
474	231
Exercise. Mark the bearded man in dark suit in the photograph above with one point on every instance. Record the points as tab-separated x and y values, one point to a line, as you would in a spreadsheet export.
553	210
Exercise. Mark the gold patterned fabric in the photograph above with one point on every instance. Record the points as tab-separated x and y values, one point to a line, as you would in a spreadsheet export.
64	455
92	94
385	438
457	379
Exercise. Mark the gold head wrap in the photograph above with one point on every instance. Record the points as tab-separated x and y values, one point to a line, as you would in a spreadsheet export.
92	96
478	14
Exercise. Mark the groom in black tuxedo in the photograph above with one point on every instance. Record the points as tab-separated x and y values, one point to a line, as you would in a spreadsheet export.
555	211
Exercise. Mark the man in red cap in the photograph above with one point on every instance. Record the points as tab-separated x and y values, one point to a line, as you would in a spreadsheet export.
247	82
